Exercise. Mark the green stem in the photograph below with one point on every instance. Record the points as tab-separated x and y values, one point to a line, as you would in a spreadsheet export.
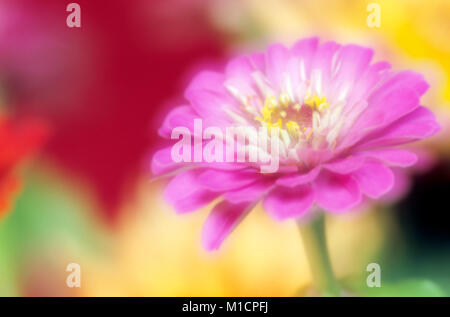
314	241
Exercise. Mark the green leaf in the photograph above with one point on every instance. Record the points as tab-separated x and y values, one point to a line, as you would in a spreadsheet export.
54	222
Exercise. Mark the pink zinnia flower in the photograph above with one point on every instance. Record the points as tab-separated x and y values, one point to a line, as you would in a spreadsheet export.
341	120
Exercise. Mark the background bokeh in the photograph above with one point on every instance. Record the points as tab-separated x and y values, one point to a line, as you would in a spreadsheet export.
103	90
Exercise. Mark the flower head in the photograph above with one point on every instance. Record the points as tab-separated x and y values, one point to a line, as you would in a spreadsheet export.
340	120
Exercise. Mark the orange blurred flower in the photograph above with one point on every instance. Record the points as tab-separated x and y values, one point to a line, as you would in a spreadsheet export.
18	140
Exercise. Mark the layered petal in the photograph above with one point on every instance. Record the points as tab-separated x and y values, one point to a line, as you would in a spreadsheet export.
392	157
402	185
363	88
221	181
249	193
335	192
417	125
295	179
182	116
284	203
322	67
240	83
207	81
351	63
345	165
374	179
304	50
224	217
163	163
186	194
394	99
211	105
277	59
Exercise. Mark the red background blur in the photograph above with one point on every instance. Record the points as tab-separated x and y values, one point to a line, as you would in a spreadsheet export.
101	86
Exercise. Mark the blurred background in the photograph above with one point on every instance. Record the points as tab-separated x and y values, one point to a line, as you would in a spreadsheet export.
102	91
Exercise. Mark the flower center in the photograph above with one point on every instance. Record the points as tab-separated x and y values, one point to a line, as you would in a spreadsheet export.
295	118
306	120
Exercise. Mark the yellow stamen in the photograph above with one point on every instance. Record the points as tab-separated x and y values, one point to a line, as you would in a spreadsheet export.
280	110
316	103
266	113
271	125
271	102
284	100
269	107
323	106
293	128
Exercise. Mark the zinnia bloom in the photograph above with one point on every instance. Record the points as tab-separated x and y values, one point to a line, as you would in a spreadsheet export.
18	140
341	119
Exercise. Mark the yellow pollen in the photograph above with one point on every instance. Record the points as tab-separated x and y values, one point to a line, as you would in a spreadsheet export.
321	107
293	128
271	102
274	125
316	103
270	105
266	112
284	100
281	112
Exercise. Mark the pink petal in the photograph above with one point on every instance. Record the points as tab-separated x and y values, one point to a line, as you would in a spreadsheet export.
426	160
345	165
182	116
397	97
250	193
313	157
220	180
353	61
258	61
283	203
277	59
323	61
307	55
305	47
220	223
239	66
295	179
335	192
393	157
419	124
402	184
224	166
374	179
363	87
389	106
305	51
185	194
207	81
239	76
210	105
163	163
